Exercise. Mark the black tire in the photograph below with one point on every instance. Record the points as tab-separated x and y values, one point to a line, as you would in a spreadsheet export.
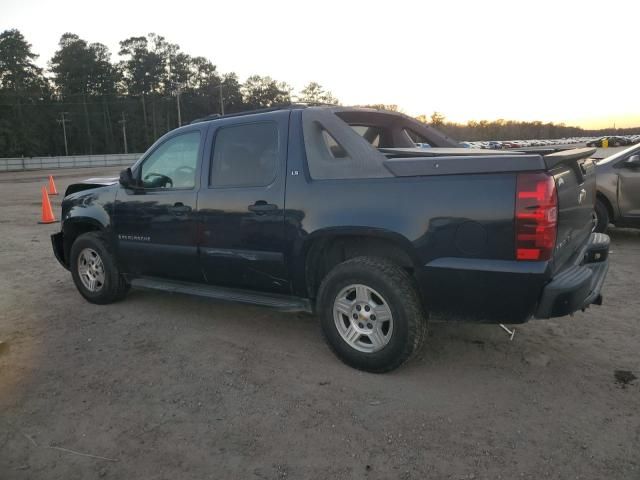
115	286
602	217
397	287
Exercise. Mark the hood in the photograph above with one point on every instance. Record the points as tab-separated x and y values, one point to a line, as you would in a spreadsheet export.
90	183
101	181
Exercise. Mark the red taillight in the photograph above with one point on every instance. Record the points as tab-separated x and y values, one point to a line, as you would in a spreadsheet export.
536	216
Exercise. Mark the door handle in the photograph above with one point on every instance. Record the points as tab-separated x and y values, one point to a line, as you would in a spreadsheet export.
180	208
261	207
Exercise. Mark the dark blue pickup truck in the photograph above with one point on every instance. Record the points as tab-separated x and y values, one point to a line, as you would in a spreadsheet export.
336	211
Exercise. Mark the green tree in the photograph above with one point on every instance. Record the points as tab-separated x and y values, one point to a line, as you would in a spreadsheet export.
144	64
313	93
146	73
202	75
18	72
232	93
23	88
84	78
437	119
382	106
262	92
82	68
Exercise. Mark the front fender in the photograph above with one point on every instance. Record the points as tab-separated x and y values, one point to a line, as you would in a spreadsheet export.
84	211
94	206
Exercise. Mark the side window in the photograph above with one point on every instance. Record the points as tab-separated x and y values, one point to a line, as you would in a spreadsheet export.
335	149
245	155
415	137
173	164
370	134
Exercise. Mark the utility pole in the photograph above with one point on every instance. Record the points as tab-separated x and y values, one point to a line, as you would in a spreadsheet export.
64	121
221	97
177	93
124	132
221	101
86	119
144	116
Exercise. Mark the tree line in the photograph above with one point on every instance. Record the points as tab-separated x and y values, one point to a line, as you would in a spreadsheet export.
515	130
85	103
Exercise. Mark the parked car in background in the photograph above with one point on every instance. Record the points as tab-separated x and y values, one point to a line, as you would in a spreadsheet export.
613	141
618	196
596	142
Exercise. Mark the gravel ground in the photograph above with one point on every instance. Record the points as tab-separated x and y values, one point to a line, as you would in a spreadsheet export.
174	387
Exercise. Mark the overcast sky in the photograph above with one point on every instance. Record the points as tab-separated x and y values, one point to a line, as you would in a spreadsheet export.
576	62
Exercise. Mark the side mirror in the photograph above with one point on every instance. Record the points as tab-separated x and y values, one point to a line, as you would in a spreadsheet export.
126	178
633	161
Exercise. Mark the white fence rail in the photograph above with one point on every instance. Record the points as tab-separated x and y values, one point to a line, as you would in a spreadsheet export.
72	161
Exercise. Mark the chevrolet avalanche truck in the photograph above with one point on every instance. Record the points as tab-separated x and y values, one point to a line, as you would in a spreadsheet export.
335	211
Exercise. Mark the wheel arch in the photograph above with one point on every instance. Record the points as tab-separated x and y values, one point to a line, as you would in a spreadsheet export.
325	249
73	227
607	203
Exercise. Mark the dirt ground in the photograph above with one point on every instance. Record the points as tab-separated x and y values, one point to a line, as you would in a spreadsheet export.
174	387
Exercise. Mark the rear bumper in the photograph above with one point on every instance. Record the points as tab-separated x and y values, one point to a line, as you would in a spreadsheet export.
481	290
509	291
580	285
57	242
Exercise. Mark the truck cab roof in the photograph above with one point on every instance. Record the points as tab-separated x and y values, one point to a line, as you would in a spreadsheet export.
391	129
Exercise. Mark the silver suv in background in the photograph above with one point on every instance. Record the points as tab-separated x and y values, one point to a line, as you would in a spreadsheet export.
618	197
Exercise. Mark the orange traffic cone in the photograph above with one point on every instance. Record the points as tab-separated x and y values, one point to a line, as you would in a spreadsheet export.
47	213
52	186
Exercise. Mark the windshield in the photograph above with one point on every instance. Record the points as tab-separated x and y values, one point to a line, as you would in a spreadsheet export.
620	154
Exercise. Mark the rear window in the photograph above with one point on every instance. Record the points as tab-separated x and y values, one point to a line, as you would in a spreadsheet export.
415	137
245	155
335	149
370	134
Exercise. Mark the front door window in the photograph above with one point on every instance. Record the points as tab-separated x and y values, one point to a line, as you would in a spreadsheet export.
173	164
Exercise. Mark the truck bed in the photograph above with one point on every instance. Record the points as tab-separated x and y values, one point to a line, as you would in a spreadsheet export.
408	162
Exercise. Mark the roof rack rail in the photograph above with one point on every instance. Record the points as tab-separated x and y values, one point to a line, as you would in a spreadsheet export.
213	116
288	106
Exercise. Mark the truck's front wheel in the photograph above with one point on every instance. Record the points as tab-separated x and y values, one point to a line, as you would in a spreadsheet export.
370	314
94	271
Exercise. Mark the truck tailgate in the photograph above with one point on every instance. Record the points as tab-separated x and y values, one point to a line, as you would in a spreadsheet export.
575	177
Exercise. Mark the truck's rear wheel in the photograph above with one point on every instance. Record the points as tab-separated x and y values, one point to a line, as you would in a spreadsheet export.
94	271
370	314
